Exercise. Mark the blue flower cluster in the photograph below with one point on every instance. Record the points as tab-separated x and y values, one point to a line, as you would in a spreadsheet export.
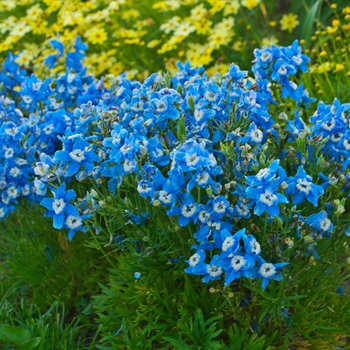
197	146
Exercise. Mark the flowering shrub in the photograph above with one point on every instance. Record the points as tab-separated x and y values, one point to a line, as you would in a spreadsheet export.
237	169
145	36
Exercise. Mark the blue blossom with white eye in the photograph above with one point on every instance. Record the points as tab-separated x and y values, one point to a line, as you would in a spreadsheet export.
264	176
195	263
302	187
81	154
320	222
214	270
238	265
267	198
187	211
59	206
268	271
75	223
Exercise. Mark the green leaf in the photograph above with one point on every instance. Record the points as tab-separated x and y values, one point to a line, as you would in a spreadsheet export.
14	334
309	21
190	102
179	344
34	342
181	131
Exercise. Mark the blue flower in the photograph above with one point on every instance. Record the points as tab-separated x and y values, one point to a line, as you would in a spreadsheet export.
81	154
320	222
187	211
268	271
301	187
266	198
59	207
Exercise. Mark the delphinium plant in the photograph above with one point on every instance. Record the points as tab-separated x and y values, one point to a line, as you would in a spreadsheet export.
219	202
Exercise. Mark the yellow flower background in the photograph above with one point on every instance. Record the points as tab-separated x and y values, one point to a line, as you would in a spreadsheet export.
139	36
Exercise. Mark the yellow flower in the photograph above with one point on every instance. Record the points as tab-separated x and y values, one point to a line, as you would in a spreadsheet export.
225	25
34	12
323	53
339	67
272	24
289	22
38	27
269	40
331	30
7	5
153	43
167	5
250	4
237	46
217	39
96	35
72	18
199	55
203	27
324	67
171	24
24	58
335	23
131	73
198	12
184	29
217	6
231	8
221	68
20	29
7	24
52	5
346	10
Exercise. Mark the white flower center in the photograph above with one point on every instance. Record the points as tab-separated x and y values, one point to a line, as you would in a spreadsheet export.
242	209
325	224
194	259
73	222
214	270
329	125
15	172
58	205
256	135
304	186
129	166
161	106
220	207
268	198
9	153
267	270
202	178
191	159
41	169
188	210
262	173
210	96
237	262
203	216
77	155
144	188
227	243
256	248
165	197
282	70
198	115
